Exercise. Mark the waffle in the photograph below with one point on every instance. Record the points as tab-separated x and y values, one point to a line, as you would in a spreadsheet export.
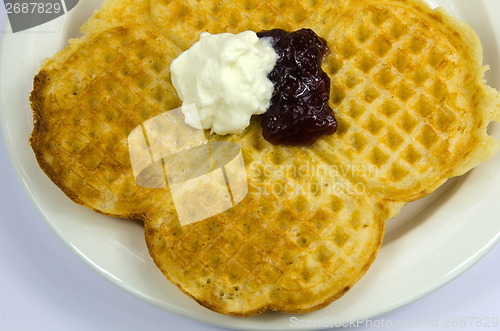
84	113
412	110
407	83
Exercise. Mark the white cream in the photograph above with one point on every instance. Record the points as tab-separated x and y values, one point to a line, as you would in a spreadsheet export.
225	76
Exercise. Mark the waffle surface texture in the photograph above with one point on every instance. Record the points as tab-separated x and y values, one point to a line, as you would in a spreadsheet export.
407	90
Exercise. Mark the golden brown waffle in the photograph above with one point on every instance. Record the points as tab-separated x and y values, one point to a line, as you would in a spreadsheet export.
407	83
408	94
84	113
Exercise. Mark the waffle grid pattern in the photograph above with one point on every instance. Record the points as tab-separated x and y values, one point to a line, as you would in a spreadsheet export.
268	251
96	150
407	139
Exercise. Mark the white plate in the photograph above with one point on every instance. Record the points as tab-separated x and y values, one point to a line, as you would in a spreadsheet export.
428	244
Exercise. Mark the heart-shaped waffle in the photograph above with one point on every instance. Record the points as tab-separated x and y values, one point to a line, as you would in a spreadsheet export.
407	90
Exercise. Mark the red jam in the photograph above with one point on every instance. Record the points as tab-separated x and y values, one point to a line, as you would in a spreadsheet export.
299	112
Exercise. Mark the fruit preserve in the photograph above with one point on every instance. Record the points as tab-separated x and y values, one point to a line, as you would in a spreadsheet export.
299	112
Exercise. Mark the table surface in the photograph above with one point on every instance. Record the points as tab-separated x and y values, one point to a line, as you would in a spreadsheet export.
44	285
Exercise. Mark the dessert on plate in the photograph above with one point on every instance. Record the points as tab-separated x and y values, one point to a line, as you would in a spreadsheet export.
411	108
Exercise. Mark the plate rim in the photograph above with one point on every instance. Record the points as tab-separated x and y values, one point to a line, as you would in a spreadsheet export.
24	178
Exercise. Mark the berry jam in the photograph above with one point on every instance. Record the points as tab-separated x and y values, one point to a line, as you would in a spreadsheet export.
299	112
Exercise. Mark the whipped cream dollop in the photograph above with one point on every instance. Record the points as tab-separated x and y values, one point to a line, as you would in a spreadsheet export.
225	76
